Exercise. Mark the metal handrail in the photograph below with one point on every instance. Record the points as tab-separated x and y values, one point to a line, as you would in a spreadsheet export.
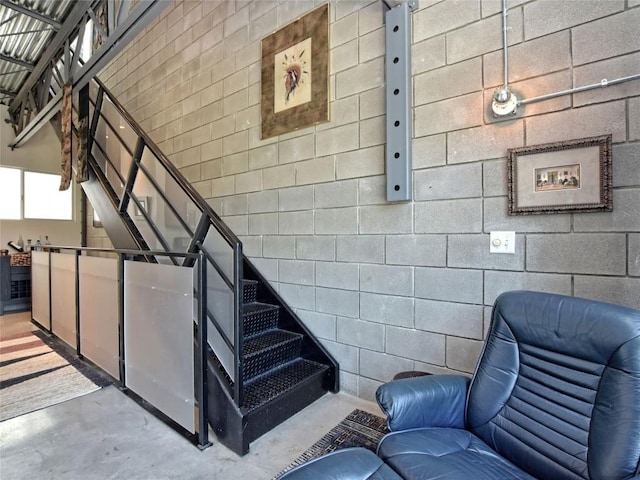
215	221
224	230
124	251
134	159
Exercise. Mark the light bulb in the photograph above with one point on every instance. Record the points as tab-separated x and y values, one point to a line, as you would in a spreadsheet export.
504	102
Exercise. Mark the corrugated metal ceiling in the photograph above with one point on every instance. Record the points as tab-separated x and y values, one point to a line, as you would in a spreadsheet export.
23	38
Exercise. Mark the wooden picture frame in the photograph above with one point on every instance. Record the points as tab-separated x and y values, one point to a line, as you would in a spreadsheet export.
564	177
295	74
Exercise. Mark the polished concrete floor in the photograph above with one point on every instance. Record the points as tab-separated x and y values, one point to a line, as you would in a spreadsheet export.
106	435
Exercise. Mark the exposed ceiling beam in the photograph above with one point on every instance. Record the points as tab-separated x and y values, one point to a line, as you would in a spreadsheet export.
133	24
123	11
8	93
69	25
22	63
10	19
26	32
13	71
126	31
31	13
40	119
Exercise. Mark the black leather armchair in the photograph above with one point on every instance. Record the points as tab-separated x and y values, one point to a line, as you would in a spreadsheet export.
555	395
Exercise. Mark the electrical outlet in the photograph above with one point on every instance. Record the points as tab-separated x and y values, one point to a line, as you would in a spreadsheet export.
502	242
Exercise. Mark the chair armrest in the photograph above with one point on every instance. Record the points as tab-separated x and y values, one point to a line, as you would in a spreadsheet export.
431	401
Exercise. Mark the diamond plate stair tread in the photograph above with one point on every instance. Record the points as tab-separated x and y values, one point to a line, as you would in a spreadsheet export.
259	317
257	307
249	291
268	340
269	386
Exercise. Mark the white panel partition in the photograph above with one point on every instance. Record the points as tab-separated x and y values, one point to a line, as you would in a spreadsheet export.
220	304
63	297
220	251
40	288
159	348
99	312
220	301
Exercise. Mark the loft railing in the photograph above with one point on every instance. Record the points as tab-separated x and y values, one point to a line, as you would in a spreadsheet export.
170	216
134	320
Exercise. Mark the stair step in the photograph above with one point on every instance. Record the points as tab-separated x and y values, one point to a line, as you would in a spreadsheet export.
249	291
259	317
263	389
269	350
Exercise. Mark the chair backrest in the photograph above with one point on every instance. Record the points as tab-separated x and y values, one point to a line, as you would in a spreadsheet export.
557	387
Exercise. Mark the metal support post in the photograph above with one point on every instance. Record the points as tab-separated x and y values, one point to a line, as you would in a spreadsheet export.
202	388
237	321
77	259
399	124
50	299
121	363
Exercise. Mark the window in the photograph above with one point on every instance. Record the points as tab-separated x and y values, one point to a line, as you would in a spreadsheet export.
10	193
43	200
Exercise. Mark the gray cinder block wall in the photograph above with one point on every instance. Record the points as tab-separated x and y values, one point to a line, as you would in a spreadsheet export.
408	286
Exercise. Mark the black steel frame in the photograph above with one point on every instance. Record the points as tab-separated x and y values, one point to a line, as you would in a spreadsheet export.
224	378
209	219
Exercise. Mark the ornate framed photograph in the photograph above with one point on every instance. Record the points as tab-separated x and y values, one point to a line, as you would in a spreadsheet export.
295	74
564	177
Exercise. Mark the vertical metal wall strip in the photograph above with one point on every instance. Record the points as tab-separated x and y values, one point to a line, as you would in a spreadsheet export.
202	388
121	287
399	121
77	259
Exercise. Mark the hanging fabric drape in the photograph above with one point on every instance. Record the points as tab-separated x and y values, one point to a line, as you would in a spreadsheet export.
65	123
82	174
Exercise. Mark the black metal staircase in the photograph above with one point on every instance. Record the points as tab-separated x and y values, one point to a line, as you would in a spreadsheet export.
282	370
264	365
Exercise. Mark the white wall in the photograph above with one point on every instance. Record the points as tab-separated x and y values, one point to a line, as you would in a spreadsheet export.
41	153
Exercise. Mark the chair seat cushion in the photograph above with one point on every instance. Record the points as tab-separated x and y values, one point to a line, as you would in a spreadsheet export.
346	464
445	453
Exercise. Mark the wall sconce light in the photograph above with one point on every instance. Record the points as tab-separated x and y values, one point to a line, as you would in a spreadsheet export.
504	102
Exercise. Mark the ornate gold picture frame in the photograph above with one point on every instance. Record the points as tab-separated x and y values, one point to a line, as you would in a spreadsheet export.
563	177
295	74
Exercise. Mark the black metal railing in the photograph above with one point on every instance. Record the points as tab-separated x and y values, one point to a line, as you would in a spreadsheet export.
169	215
200	436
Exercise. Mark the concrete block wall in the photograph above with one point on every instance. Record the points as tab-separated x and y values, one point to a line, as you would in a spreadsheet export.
391	287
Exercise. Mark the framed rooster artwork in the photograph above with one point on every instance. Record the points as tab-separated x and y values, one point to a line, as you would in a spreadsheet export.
295	74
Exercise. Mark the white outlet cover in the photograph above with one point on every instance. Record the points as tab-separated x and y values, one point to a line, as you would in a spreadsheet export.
502	242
